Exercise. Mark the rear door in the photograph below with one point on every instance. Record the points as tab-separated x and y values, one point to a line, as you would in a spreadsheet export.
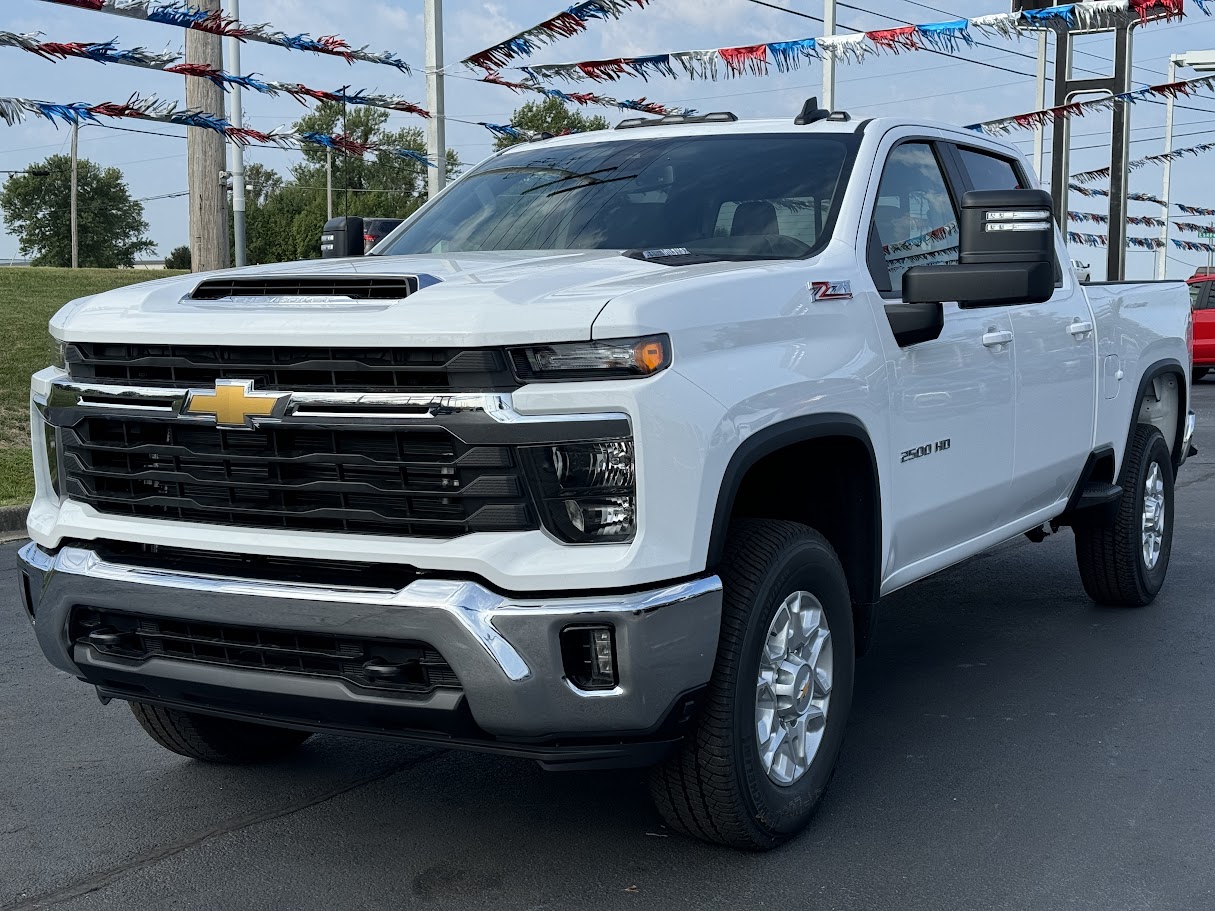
1055	360
951	398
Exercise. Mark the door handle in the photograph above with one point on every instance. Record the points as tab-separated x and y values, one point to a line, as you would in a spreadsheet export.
1080	327
994	338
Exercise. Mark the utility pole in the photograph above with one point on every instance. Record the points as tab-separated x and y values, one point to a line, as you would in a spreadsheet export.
436	139
205	155
75	223
828	62
237	166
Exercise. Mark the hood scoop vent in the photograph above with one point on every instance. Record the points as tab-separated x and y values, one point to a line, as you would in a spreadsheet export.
292	288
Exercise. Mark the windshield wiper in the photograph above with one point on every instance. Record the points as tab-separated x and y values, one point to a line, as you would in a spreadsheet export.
594	182
569	175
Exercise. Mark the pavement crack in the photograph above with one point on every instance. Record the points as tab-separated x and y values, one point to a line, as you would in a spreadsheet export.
99	880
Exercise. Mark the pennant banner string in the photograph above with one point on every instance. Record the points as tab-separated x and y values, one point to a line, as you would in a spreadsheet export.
15	110
1101	240
183	15
563	25
784	56
588	98
1191	246
1097	218
1035	119
169	62
1161	158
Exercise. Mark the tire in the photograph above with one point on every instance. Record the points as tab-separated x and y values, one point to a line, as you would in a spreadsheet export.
212	739
1111	553
1197	373
717	787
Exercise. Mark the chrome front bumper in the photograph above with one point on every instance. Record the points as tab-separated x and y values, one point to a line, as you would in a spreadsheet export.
505	650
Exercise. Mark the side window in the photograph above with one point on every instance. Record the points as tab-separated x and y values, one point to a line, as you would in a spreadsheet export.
914	219
989	172
1200	295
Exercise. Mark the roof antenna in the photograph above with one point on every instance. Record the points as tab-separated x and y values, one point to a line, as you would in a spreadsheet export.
811	112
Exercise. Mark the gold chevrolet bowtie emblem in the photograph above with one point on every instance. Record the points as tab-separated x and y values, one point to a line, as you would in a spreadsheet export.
234	404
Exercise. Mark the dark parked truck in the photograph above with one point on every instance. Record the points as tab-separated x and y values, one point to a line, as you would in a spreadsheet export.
604	457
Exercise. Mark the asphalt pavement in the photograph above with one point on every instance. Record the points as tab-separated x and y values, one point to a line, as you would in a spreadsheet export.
1011	746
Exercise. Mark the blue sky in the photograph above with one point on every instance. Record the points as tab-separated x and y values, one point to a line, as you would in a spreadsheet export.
917	84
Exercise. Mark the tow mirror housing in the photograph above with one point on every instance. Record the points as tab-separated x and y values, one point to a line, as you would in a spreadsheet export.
342	237
1006	254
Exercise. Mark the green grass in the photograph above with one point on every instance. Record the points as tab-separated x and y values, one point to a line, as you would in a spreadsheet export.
29	297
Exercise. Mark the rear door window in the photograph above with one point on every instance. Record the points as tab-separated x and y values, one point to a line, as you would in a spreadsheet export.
990	172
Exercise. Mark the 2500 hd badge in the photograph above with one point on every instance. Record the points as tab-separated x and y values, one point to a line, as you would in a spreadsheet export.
927	449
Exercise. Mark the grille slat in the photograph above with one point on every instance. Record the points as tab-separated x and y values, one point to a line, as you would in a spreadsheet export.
401	481
294	369
423	669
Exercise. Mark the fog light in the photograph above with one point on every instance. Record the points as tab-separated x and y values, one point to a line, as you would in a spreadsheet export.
588	654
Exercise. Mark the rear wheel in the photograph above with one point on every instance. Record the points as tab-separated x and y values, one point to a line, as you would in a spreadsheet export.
212	739
1124	558
769	732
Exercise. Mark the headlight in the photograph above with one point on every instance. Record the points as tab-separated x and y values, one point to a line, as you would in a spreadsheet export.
60	354
615	358
587	491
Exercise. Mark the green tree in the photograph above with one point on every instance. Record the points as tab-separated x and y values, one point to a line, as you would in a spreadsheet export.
550	116
285	219
37	209
178	258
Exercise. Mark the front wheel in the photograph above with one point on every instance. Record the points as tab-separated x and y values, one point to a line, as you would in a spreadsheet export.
767	737
212	739
1124	558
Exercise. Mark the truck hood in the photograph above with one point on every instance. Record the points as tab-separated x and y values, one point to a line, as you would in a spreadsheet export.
465	299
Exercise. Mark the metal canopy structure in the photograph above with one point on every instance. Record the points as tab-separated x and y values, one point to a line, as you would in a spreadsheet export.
1067	90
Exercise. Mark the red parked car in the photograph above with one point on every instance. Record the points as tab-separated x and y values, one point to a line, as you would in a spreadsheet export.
1202	302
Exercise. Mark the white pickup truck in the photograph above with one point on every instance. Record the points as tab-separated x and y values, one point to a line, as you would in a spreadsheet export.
604	457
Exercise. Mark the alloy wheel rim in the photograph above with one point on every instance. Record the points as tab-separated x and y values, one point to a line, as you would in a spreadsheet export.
1153	516
793	689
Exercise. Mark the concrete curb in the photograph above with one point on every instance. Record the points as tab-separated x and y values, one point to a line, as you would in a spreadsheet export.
12	520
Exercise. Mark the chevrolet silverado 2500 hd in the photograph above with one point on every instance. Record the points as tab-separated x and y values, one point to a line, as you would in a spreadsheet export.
604	457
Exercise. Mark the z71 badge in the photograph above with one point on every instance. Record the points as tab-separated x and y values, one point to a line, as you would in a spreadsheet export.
831	291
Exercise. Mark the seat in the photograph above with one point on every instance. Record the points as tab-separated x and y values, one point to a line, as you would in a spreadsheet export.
754	218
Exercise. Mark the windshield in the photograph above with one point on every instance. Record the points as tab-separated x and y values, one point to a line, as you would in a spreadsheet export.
747	196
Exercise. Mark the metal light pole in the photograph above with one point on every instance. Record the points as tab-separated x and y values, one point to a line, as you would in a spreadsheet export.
1162	255
75	224
236	155
1039	131
328	183
436	139
1204	62
828	62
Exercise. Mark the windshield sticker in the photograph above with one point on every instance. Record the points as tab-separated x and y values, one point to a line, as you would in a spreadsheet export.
831	291
669	251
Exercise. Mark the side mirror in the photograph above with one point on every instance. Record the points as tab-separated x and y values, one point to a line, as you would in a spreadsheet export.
342	237
1006	253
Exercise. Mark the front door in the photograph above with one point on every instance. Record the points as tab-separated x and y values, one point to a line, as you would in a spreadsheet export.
952	398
